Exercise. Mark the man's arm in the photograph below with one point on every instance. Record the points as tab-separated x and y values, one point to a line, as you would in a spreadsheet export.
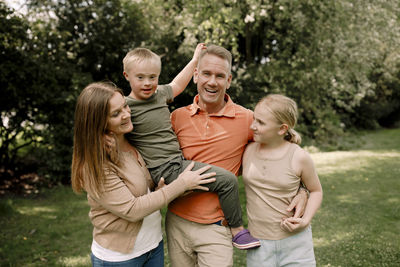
299	202
183	78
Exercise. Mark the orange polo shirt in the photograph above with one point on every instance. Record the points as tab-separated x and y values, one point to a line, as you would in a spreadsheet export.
219	139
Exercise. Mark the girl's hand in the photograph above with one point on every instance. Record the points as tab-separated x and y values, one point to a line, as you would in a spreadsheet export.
293	224
194	179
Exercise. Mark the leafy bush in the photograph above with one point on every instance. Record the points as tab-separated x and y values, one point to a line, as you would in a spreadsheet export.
338	59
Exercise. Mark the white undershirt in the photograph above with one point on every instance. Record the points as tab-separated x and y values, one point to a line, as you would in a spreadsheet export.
148	238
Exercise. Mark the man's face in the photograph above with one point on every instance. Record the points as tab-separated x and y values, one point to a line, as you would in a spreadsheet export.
213	78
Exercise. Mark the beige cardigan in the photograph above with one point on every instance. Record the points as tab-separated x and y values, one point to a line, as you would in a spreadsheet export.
118	214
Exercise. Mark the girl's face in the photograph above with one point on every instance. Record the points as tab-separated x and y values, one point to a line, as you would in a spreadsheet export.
265	127
119	116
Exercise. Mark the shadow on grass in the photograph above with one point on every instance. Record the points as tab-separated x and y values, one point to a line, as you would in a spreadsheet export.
46	230
357	224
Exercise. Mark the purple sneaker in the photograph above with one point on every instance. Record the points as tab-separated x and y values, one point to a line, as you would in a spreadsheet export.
244	240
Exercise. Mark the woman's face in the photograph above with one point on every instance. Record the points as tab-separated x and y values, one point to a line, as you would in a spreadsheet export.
119	115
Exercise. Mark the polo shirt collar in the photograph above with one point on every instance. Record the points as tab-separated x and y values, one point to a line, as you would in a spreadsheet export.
228	110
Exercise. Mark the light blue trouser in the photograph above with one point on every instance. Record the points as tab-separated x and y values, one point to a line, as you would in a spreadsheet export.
296	250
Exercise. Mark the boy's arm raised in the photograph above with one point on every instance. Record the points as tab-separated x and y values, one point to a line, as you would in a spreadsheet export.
183	78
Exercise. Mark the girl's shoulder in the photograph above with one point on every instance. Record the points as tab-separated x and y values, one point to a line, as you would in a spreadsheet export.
300	153
301	158
249	151
250	148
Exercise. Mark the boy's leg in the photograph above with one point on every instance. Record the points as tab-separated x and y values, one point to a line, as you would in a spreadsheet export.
169	171
226	186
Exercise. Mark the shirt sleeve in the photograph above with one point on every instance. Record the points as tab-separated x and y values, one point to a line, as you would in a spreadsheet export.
166	90
250	121
120	201
173	119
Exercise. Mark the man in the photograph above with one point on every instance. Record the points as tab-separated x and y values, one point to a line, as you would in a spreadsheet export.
212	130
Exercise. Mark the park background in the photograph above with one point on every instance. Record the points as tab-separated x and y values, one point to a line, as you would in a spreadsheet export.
340	61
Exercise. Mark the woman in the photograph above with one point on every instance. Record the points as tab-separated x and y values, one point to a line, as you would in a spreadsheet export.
124	212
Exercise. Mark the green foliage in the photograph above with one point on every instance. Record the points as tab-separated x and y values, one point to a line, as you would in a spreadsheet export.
24	94
338	59
323	54
50	54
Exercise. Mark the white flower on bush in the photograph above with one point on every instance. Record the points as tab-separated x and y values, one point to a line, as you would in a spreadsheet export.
249	18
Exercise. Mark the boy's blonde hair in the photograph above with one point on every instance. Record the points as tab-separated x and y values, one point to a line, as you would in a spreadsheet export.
138	55
284	109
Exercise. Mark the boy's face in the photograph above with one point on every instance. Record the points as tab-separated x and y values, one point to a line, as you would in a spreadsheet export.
143	79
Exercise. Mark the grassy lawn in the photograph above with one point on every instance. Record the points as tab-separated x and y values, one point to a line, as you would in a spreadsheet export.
357	225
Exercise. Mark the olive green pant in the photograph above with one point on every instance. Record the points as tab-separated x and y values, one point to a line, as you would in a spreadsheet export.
225	185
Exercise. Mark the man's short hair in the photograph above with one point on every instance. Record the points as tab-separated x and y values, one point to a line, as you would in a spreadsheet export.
218	51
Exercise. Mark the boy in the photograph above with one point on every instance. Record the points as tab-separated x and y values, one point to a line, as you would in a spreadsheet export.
156	141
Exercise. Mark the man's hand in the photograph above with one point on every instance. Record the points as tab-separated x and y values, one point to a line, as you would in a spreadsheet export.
299	203
293	224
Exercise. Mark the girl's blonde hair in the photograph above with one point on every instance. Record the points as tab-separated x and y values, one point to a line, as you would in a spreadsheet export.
284	109
90	157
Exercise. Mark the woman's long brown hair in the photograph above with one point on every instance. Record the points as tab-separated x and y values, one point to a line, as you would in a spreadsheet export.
90	158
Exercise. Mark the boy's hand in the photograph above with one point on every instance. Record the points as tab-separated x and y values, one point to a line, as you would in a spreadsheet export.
197	51
160	185
109	141
183	78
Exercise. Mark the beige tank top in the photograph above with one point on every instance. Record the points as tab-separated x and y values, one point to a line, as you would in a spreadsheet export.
270	185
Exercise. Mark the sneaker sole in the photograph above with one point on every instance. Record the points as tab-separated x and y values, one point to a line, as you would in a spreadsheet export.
247	246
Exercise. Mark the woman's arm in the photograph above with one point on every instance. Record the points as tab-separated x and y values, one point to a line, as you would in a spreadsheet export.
119	200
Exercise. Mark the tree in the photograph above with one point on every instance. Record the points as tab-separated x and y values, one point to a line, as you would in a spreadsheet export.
20	117
56	50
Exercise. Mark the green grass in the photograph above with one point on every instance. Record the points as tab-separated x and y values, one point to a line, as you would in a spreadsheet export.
357	225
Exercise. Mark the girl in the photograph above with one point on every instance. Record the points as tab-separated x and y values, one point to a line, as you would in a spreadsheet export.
124	213
273	168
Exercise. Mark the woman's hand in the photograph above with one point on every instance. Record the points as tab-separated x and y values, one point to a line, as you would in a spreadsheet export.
194	179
